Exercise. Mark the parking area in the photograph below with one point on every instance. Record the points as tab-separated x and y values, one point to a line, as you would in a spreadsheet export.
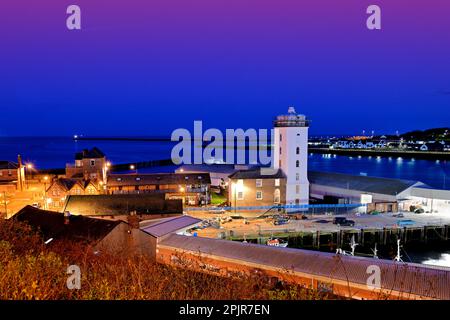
247	223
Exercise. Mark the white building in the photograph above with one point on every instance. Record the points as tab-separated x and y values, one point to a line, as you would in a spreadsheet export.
291	154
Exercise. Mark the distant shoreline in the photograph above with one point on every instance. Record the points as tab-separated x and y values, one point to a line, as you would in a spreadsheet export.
427	155
123	138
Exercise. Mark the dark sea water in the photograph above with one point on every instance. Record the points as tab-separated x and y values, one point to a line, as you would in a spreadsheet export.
55	152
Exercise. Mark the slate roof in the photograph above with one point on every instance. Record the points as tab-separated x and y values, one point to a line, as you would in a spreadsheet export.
162	227
368	184
122	204
427	281
257	173
94	153
7	165
51	225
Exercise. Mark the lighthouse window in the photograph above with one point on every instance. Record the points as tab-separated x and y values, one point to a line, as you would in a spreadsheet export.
298	150
297	164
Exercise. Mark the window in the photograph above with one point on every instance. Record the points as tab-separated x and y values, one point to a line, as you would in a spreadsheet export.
119	179
280	150
297	189
258	195
297	176
92	163
240	195
297	151
281	137
277	182
138	179
258	183
297	163
276	196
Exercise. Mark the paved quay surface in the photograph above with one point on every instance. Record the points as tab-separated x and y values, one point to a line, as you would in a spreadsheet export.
323	223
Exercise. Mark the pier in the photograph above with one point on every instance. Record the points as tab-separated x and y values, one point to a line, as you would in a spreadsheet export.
319	233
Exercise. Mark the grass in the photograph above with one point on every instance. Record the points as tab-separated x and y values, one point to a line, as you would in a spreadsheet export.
217	199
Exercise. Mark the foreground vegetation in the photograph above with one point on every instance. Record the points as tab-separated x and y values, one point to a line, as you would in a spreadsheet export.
29	269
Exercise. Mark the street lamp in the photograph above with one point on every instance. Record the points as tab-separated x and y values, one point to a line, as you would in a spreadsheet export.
29	168
45	192
133	167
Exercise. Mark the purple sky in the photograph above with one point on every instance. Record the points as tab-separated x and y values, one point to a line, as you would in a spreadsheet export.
148	67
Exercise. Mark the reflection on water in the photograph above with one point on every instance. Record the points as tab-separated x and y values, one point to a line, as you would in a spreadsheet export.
443	261
435	257
435	173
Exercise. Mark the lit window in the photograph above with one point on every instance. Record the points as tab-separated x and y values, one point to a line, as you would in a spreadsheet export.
119	179
276	196
138	179
277	182
258	195
258	183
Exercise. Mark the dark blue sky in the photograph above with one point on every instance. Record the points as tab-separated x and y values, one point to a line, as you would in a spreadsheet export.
151	67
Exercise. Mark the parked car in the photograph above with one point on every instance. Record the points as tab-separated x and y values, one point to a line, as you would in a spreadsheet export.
420	210
280	221
342	221
399	215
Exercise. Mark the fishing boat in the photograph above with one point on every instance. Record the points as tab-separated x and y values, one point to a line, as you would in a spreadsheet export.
277	243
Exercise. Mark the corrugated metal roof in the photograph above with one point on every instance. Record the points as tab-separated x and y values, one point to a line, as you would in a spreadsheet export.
430	193
170	225
426	281
378	185
257	173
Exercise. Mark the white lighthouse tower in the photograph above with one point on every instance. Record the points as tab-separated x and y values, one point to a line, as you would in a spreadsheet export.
291	154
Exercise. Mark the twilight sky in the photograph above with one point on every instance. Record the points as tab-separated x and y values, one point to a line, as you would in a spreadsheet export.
147	67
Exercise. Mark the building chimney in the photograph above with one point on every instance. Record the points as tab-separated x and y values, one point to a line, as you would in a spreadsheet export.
133	220
66	217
